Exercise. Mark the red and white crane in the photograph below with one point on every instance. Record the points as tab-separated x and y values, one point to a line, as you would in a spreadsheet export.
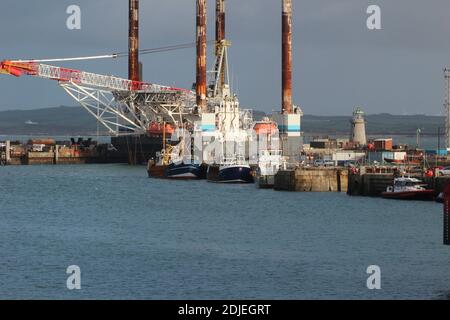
111	100
63	75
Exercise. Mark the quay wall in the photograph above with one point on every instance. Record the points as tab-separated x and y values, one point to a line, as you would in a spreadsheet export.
40	158
373	184
18	155
312	180
369	184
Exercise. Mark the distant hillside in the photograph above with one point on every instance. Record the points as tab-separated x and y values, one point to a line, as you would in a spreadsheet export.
76	121
48	121
377	124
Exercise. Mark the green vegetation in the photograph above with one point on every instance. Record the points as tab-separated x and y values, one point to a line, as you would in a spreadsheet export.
76	121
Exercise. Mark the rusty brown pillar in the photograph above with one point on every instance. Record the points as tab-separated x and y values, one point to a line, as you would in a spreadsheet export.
133	41
287	56
220	36
201	54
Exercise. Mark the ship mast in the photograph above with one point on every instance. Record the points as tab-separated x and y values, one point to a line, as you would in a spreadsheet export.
221	67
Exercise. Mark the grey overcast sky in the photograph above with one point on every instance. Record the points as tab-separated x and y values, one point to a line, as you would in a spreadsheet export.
338	62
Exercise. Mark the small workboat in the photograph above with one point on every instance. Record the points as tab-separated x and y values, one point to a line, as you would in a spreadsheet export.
397	161
270	158
269	163
413	158
408	189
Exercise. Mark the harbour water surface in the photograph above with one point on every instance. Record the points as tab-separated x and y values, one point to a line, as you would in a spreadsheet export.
138	238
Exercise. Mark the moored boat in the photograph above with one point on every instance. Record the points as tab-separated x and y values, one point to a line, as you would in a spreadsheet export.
235	173
413	157
270	157
155	170
269	163
398	161
170	164
184	171
180	171
231	171
408	189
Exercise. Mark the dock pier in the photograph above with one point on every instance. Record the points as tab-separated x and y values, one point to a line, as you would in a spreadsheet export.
368	181
20	154
312	180
369	184
372	181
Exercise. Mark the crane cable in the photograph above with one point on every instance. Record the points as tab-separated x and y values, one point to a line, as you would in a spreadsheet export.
118	55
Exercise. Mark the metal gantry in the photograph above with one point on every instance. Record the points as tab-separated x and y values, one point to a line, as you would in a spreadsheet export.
123	107
118	118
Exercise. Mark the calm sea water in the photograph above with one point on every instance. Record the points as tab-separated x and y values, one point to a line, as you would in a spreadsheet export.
138	238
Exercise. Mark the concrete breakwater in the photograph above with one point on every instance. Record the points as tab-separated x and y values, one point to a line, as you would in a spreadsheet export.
368	181
312	180
369	184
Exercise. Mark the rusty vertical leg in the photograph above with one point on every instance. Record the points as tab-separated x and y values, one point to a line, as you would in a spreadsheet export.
133	59
220	37
201	54
287	57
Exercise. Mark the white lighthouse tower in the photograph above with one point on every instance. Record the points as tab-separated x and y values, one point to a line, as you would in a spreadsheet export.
358	133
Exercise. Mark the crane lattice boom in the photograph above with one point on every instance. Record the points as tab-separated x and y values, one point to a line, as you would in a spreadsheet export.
18	68
122	106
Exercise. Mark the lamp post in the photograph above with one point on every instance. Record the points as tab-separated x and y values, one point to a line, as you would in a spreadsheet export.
418	132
